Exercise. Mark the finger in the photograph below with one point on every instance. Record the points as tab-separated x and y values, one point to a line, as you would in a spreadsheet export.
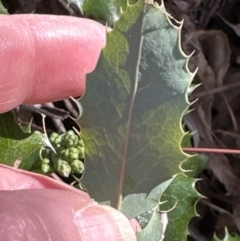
49	214
17	179
40	214
135	225
45	58
65	214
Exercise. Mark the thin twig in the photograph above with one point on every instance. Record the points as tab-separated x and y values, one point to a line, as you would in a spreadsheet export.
234	122
57	122
211	150
62	116
211	7
56	177
215	207
71	108
228	133
66	6
214	91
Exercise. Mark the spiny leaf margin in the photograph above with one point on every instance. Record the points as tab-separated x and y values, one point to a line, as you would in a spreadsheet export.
179	202
227	237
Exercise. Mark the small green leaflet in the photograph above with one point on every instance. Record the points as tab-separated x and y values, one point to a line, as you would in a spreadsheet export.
15	145
105	11
179	201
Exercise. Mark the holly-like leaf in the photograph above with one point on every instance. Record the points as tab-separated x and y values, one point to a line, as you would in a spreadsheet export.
135	205
15	145
133	106
154	230
145	210
195	165
179	202
106	11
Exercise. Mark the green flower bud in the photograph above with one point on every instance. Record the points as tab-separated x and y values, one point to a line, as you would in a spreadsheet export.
62	167
71	133
77	166
53	136
81	154
80	143
45	168
73	153
64	154
69	139
45	160
56	140
70	154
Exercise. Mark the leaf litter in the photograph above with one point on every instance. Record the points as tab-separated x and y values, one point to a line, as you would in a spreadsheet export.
211	29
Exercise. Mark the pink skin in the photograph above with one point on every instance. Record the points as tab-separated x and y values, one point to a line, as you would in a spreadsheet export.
45	58
39	208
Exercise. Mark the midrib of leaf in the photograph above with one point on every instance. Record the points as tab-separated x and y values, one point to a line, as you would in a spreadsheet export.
128	132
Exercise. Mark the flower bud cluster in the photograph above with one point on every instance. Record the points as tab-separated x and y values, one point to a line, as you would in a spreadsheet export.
68	157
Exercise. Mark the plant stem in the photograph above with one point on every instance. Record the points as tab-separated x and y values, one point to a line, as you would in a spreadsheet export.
210	150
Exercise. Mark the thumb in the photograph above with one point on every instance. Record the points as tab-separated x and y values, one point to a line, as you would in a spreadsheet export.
45	58
50	214
37	207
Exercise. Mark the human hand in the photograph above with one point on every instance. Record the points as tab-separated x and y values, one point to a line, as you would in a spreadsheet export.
42	59
36	207
45	57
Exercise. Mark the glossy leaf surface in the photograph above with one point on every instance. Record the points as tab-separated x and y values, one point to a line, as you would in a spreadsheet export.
104	11
133	106
17	145
179	201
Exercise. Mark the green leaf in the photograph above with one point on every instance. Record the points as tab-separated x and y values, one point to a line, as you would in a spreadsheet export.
195	165
102	9
179	202
17	145
134	205
145	210
27	128
154	230
3	10
106	11
133	106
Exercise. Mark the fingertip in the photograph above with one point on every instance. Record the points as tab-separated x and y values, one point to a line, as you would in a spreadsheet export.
104	220
46	58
